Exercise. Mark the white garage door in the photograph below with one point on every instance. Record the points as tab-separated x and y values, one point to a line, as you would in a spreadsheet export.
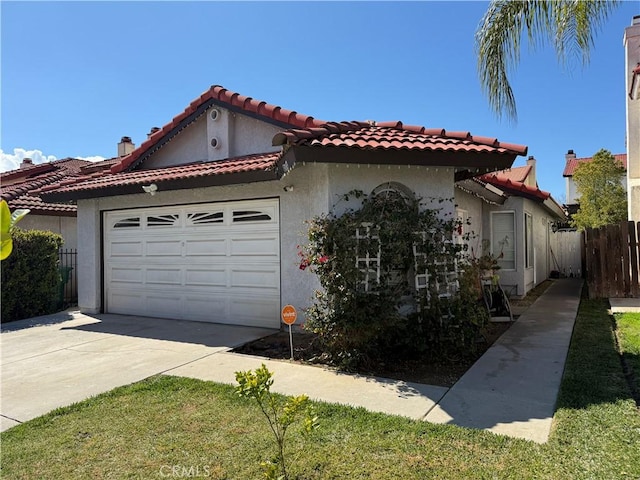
215	262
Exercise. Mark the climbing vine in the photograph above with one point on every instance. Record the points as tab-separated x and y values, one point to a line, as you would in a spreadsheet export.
393	281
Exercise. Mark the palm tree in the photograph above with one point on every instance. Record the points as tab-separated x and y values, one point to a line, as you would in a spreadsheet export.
570	25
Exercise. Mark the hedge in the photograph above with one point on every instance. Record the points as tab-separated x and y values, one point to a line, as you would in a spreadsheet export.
30	275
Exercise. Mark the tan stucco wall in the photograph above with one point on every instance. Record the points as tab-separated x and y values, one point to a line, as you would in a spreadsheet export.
65	226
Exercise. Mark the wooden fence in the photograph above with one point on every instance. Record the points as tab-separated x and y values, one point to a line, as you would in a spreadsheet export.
612	256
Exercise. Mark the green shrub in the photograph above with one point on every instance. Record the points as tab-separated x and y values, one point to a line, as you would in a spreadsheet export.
30	276
369	310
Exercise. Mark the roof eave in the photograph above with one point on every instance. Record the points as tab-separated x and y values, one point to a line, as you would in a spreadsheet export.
432	158
166	185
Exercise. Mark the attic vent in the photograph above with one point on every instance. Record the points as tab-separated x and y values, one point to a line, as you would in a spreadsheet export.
215	114
214	142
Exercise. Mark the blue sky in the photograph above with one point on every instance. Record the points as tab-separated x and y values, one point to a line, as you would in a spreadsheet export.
77	76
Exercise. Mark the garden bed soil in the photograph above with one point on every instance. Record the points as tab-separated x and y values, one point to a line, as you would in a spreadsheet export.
443	373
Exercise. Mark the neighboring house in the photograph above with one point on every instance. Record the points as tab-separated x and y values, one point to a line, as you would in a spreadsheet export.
18	187
571	163
632	82
513	220
202	220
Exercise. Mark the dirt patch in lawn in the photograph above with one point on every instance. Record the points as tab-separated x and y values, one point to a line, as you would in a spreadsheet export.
306	350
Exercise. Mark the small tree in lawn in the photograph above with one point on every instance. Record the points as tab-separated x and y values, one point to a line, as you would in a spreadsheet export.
280	412
602	197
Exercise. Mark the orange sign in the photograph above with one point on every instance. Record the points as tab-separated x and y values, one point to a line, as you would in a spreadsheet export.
289	314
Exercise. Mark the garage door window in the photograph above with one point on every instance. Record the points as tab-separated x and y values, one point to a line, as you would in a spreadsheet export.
250	216
205	218
162	220
132	222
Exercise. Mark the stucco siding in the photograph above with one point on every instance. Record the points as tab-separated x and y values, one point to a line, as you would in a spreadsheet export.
316	188
474	208
189	146
235	135
249	135
65	226
429	184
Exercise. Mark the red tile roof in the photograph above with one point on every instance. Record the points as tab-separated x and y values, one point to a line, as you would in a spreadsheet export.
394	136
102	180
504	181
572	163
515	174
217	95
26	181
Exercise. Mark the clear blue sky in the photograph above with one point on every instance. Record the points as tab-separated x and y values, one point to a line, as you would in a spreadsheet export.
78	76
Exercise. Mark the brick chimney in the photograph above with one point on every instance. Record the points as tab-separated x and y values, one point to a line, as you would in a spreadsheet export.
531	180
125	147
26	162
569	156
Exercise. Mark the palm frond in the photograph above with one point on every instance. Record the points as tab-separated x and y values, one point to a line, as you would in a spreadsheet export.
570	25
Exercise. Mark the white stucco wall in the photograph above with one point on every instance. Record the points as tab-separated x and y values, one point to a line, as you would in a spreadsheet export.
474	207
65	226
236	135
189	146
520	280
316	187
428	183
632	59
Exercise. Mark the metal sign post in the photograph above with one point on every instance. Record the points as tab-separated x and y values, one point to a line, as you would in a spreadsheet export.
289	316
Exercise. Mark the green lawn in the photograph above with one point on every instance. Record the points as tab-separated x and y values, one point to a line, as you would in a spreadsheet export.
168	427
628	330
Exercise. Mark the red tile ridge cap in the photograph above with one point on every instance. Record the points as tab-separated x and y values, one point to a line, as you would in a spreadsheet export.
224	97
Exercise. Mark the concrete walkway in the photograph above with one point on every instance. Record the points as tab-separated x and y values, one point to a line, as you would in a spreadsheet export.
511	390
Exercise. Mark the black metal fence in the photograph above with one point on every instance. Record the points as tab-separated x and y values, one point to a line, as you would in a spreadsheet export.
69	273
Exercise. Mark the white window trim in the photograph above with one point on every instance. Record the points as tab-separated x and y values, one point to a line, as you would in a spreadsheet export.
528	242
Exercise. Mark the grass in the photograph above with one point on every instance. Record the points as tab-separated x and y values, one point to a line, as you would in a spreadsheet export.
169	427
628	333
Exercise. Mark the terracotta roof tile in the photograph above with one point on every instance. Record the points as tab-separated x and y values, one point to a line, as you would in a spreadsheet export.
101	179
20	194
505	181
393	136
572	163
227	99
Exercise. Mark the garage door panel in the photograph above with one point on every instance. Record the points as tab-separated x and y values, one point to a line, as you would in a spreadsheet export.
126	275
206	308
125	249
126	302
209	277
209	262
163	248
164	276
206	247
254	277
163	305
255	246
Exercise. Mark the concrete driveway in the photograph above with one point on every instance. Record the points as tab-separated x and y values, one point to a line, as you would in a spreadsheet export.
56	360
